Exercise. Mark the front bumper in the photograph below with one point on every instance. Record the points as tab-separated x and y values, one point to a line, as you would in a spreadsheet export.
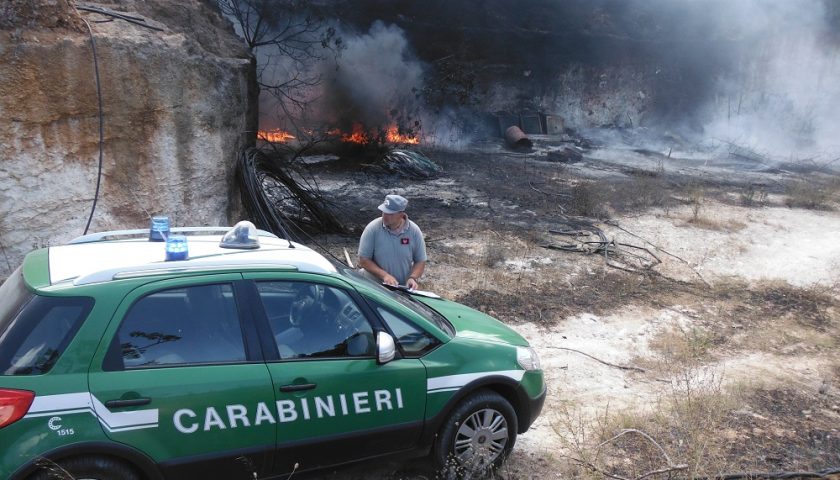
530	408
535	407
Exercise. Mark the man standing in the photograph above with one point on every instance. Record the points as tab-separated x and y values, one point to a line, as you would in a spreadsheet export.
392	247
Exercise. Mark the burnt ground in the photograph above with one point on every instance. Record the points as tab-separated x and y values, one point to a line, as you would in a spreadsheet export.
735	367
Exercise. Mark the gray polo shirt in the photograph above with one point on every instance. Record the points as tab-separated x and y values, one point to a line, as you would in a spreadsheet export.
395	253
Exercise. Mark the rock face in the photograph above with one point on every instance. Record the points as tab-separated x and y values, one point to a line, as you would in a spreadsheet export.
178	104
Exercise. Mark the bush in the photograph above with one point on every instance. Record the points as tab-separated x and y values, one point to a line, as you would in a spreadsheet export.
813	194
754	196
588	200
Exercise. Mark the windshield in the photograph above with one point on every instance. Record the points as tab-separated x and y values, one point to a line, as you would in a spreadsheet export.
403	297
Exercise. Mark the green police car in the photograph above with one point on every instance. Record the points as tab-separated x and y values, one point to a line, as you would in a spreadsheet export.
232	353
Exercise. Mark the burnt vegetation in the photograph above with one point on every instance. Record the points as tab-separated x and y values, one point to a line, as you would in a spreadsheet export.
489	214
705	429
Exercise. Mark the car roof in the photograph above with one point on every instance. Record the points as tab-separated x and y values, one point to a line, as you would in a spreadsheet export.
93	259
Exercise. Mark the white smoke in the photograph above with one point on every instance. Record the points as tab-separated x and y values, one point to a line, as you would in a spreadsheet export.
783	96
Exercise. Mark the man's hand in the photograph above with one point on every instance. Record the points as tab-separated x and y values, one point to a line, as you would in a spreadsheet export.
411	283
374	269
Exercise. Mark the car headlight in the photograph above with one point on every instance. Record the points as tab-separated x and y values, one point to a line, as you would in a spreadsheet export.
527	358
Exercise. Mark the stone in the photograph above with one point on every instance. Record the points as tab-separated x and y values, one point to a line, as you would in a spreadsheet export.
178	104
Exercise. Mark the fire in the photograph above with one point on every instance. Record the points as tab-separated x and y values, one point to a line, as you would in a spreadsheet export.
358	135
275	136
391	135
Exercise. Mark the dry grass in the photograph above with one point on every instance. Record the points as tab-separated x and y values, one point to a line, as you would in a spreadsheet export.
708	223
703	429
643	191
812	306
589	199
754	196
515	299
816	193
676	432
596	199
699	425
494	251
685	345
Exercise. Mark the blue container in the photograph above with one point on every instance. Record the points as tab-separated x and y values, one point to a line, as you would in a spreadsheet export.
176	248
159	229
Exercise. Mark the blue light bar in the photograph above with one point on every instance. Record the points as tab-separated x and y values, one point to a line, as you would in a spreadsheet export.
159	229
176	248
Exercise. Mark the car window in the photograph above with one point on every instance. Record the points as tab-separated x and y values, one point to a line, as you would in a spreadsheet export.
37	336
403	297
413	340
310	320
182	326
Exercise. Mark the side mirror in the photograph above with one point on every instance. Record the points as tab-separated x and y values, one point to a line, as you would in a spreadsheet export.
386	350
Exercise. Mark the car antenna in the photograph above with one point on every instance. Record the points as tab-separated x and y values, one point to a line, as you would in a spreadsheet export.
285	232
281	225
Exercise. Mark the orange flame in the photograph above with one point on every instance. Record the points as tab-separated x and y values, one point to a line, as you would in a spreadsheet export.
358	135
393	135
275	136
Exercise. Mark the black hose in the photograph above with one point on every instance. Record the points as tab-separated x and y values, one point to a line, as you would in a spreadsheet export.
135	20
256	202
253	169
101	126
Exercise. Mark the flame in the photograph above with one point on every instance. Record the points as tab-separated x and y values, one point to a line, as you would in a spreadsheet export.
393	135
358	135
275	136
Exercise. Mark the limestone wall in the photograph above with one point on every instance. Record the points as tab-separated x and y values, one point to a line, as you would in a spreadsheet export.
178	105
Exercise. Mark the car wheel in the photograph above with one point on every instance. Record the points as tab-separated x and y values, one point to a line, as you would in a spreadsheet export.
85	468
476	437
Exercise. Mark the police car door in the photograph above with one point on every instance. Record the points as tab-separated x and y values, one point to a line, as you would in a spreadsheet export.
335	403
179	378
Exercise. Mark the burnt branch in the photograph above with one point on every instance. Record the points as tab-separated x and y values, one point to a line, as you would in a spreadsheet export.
287	36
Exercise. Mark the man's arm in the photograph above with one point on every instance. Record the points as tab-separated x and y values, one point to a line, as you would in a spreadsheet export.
418	253
416	273
370	266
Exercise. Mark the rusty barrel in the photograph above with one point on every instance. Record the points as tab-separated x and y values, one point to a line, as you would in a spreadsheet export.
516	138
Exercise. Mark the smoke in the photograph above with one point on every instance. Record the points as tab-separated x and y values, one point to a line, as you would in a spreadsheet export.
782	96
374	82
758	73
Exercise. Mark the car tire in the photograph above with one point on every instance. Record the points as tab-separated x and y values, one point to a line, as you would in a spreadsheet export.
477	436
85	468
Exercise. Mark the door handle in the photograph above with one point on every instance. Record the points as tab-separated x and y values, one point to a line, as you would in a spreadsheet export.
297	387
134	402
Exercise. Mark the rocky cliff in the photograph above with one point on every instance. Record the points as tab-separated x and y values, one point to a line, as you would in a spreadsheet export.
177	91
